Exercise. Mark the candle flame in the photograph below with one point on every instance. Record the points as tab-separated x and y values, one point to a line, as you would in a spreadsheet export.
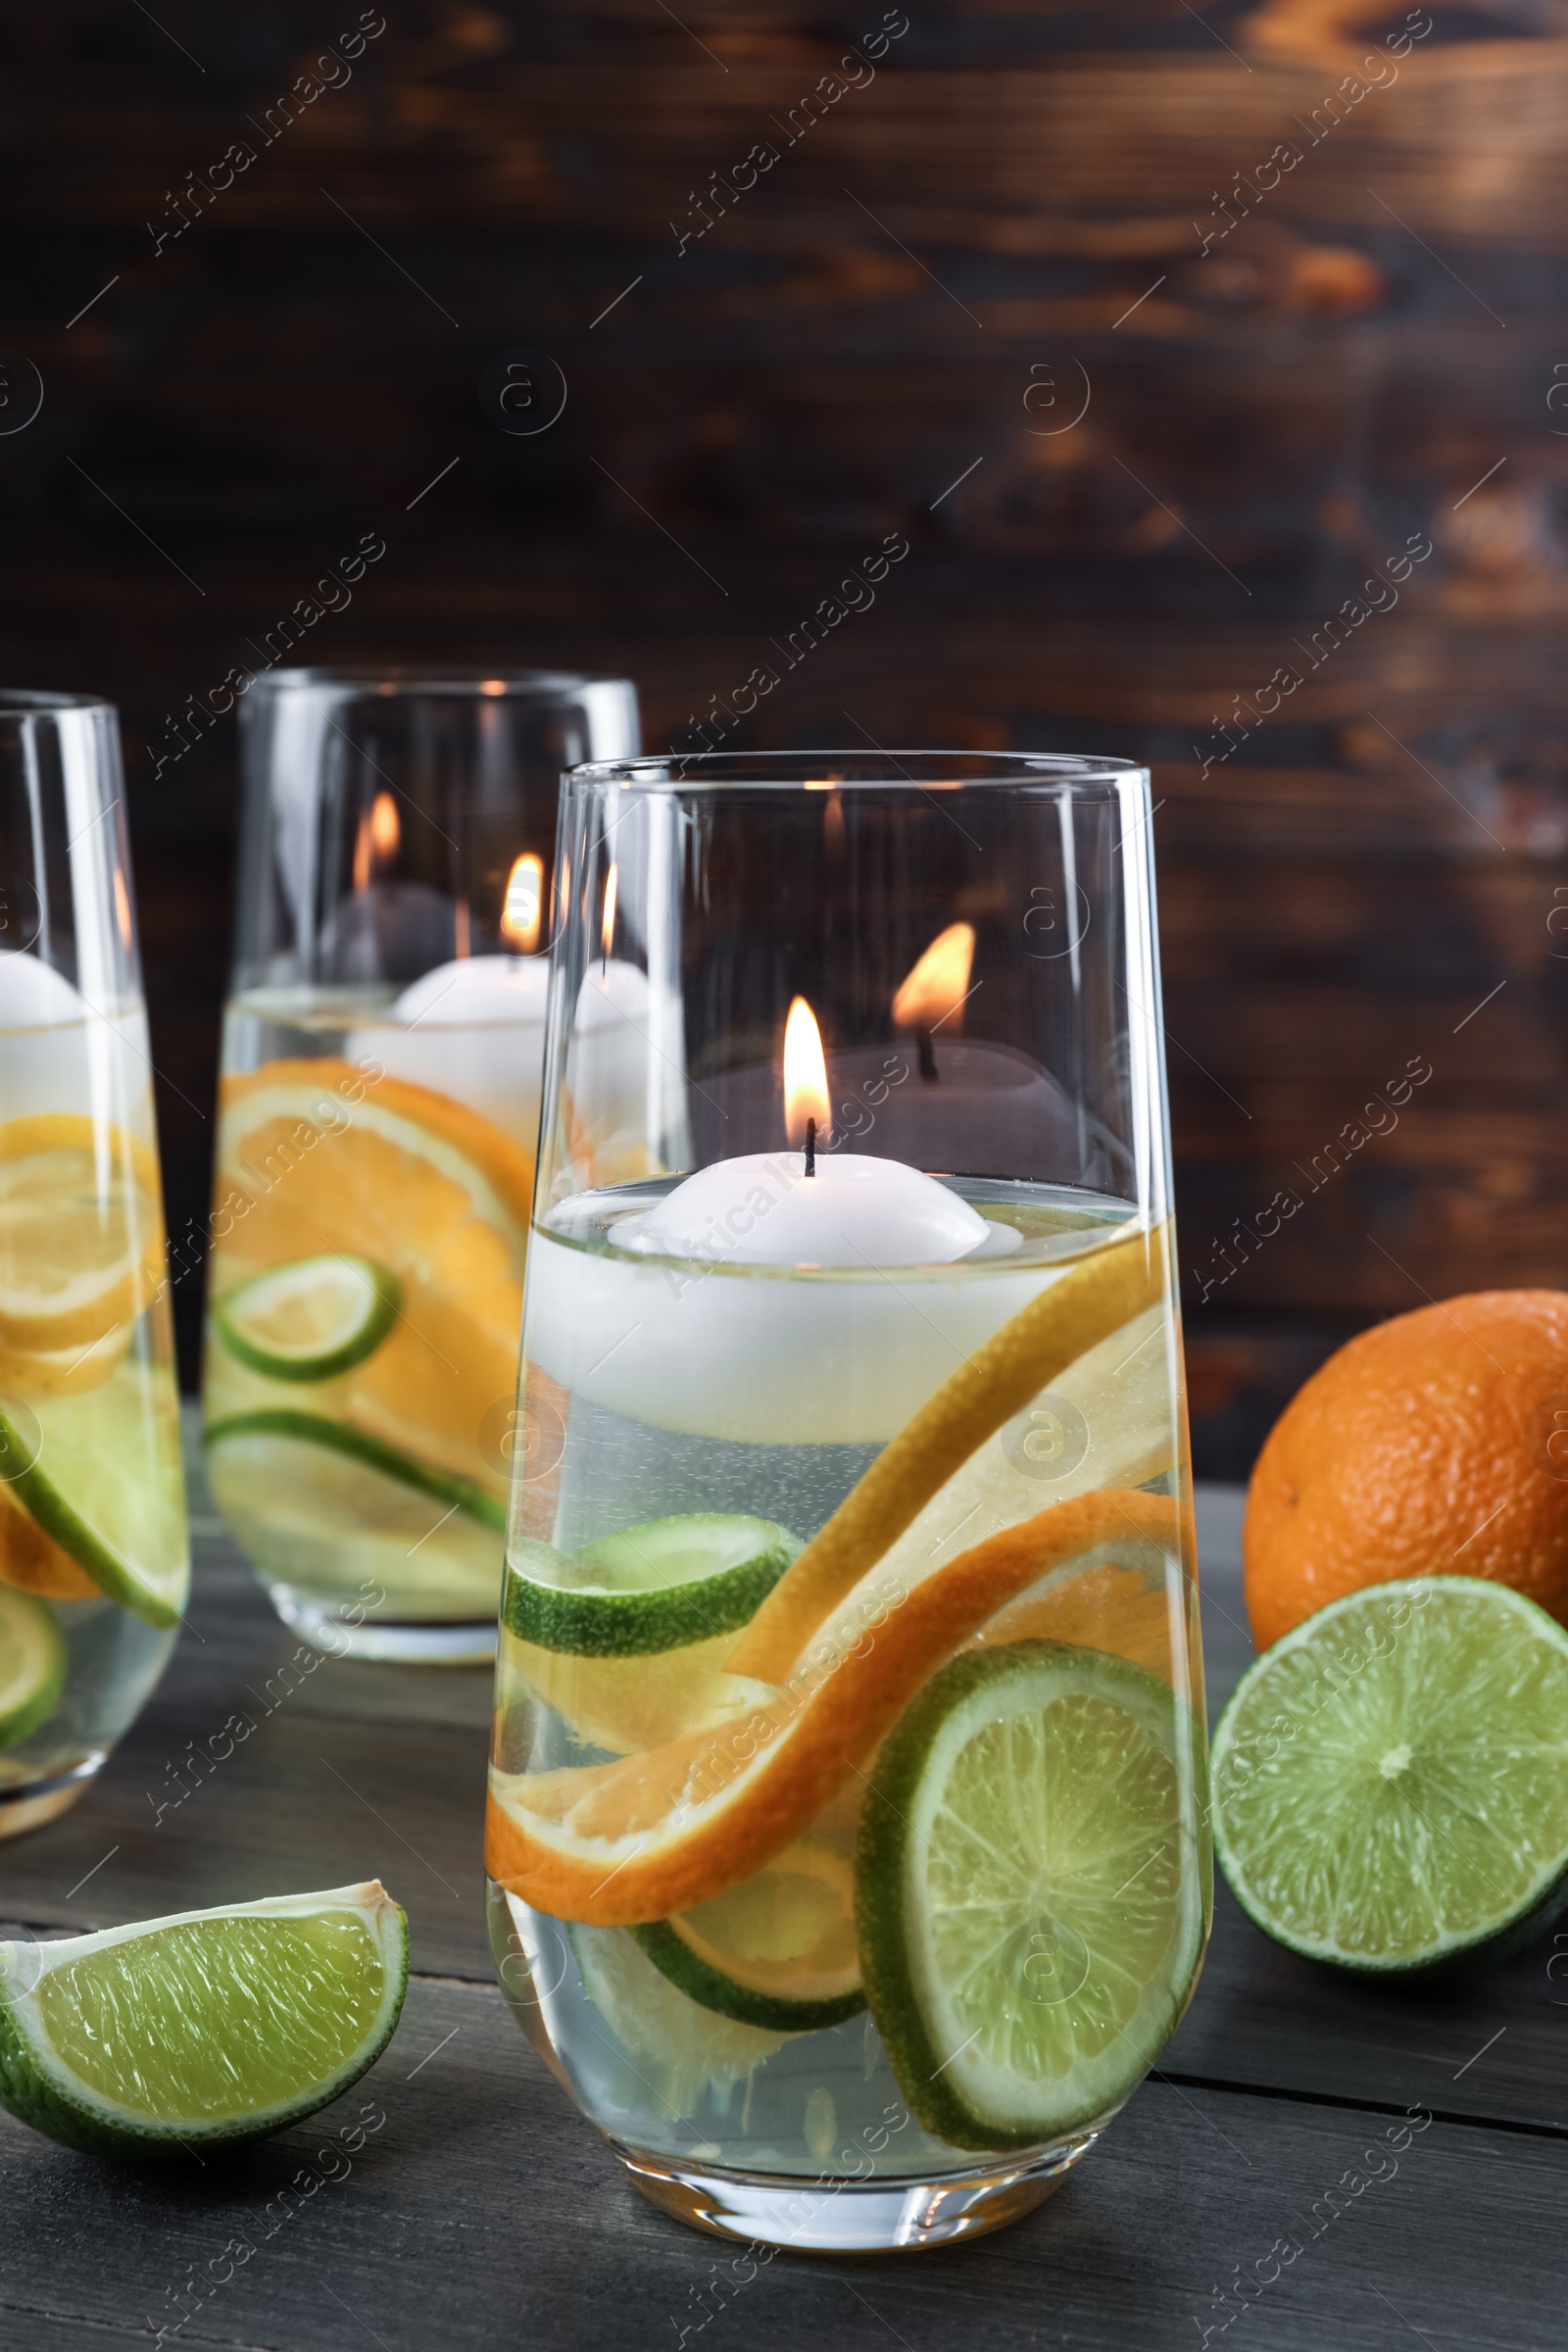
522	910
939	981
607	929
385	831
377	840
805	1076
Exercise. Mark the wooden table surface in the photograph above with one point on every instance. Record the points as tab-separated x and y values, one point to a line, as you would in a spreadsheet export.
483	2211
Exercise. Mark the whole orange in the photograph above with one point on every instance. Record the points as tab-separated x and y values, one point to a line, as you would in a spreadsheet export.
1436	1443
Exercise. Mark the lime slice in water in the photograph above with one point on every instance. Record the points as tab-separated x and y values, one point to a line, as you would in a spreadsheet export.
629	1638
318	1502
1028	1891
658	1587
1391	1780
101	1475
32	1664
211	2026
310	1320
680	2049
778	1950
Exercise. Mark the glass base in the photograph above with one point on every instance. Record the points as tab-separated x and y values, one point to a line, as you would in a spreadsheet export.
408	1641
817	2216
31	1804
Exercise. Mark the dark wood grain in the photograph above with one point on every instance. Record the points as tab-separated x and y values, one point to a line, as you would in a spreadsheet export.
483	2211
1022	193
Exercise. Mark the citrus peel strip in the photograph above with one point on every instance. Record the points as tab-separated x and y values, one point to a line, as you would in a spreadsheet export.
621	1843
1084	1306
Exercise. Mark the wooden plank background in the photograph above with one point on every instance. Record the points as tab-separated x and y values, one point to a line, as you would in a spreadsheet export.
892	329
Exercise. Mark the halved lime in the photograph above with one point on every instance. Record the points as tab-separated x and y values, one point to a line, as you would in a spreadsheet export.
210	2026
1391	1780
32	1664
102	1476
778	1950
658	1587
1028	1889
310	1320
679	2048
318	1502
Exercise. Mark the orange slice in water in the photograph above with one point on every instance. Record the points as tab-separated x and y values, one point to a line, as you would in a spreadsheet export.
1103	1608
81	1232
33	1561
1078	1311
616	1844
322	1155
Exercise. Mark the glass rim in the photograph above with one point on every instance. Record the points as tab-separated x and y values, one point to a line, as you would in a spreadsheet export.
393	678
912	771
27	702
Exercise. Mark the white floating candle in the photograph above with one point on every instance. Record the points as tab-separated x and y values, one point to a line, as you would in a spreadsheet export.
65	1053
475	1029
758	1303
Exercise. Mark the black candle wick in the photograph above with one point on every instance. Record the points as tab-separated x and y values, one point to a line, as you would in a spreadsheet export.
810	1146
926	1053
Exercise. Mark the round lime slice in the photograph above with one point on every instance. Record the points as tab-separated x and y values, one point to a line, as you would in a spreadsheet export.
1391	1780
211	2026
318	1502
680	2048
778	1950
310	1320
1029	1890
100	1472
32	1664
662	1586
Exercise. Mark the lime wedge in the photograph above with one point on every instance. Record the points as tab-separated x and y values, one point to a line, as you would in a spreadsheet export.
318	1502
310	1320
32	1664
778	1950
663	1586
1029	1892
1391	1780
210	2026
680	2049
102	1476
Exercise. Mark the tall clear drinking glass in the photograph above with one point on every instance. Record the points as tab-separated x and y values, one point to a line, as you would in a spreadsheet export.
848	1855
93	1565
378	1112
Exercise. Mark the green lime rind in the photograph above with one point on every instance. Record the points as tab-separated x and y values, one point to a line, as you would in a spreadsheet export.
206	2027
32	1665
681	2050
658	1587
777	1950
340	1437
104	1480
361	1329
1391	1778
712	1990
1028	1891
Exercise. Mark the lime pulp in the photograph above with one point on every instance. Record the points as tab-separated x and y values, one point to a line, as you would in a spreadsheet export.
32	1664
1391	1780
1029	1900
102	1477
310	1320
209	2025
